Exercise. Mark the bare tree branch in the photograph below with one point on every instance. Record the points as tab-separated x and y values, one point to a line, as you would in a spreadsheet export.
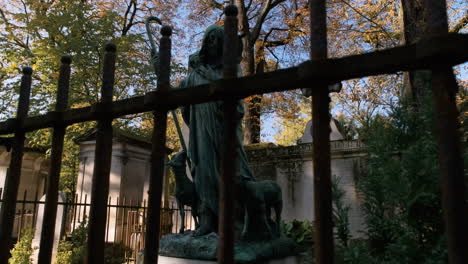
27	20
128	26
280	42
249	4
274	55
367	18
460	25
271	30
243	19
214	4
269	5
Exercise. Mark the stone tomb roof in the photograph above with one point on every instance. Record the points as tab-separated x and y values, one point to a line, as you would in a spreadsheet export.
335	132
7	143
122	136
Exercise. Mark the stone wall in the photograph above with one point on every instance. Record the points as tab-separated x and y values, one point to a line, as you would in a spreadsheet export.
292	168
34	170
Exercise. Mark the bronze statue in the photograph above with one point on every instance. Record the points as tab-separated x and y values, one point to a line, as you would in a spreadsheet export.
257	235
206	129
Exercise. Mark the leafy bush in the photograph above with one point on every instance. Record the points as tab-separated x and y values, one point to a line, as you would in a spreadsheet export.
340	213
401	192
302	232
115	253
73	249
21	253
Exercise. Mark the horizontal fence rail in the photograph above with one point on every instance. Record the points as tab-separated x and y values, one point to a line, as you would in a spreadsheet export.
445	50
437	54
125	224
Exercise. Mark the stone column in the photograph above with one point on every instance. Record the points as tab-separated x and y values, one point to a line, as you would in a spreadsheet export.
58	226
4	161
117	170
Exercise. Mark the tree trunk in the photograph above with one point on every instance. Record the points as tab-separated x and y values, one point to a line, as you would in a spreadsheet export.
252	103
416	83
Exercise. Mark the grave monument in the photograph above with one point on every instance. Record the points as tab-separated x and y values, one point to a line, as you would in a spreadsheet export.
258	236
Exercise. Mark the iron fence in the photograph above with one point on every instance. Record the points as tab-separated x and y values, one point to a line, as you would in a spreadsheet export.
125	225
438	53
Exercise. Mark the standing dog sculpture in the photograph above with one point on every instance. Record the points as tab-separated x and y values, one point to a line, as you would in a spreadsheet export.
258	199
185	189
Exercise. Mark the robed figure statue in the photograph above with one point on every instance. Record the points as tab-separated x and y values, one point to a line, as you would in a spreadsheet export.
258	236
207	130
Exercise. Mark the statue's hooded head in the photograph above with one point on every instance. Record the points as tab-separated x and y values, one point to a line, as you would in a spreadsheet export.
212	46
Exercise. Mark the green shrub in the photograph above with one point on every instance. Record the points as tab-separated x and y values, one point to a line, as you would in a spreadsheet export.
340	213
115	253
21	253
302	232
401	191
73	249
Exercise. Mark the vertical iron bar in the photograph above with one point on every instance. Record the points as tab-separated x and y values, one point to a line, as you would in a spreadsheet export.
84	208
7	214
229	166
163	221
129	223
122	220
102	163
34	210
187	217
109	205
64	224
321	139
74	210
176	217
117	212
444	89
50	208
158	153
143	227
21	220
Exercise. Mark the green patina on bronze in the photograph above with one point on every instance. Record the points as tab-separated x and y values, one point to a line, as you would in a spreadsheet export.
204	248
257	235
206	129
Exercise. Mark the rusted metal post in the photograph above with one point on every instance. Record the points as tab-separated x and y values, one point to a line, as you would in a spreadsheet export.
321	139
7	215
229	165
50	208
102	162
158	153
444	89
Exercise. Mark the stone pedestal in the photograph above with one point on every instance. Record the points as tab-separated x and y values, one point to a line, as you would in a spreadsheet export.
169	260
205	248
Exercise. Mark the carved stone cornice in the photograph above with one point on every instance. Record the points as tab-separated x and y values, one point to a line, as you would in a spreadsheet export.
275	154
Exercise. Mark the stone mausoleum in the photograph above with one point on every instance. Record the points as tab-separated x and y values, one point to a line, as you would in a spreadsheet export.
34	171
292	168
129	175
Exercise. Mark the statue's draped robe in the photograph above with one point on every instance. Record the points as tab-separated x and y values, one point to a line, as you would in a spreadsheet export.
207	138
